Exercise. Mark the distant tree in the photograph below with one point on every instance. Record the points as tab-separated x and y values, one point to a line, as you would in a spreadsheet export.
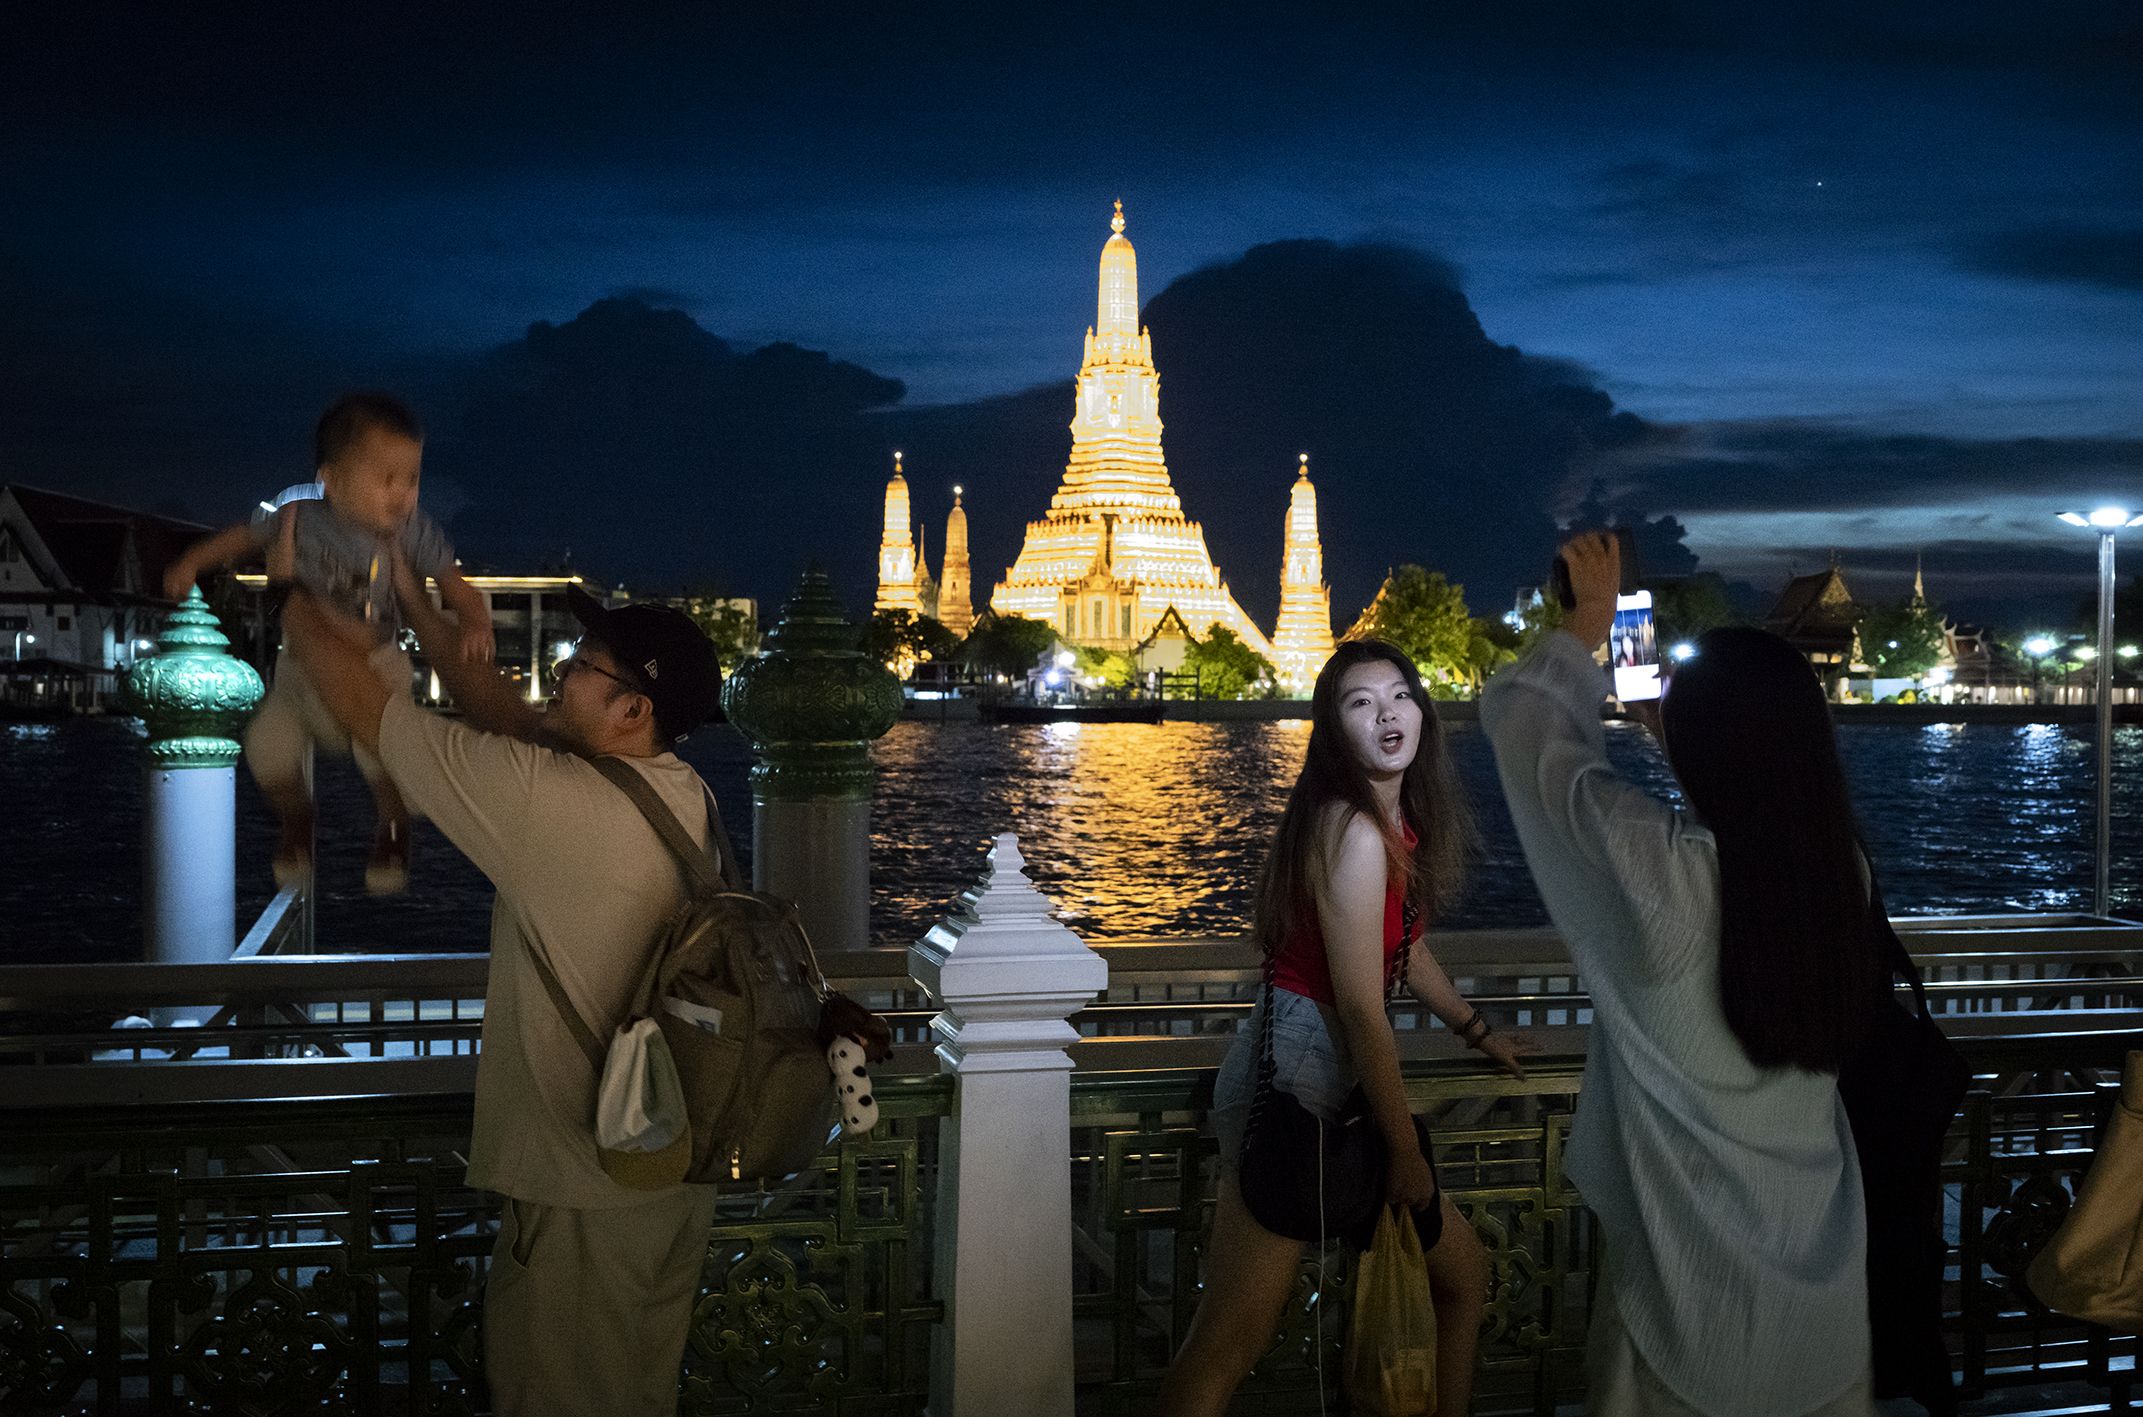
1107	666
1005	644
1226	667
1423	614
732	627
901	639
1902	641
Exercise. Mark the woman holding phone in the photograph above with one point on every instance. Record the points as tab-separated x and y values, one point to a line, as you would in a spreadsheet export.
1728	953
1369	851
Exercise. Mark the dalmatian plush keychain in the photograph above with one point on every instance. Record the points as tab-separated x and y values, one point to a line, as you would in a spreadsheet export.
853	1036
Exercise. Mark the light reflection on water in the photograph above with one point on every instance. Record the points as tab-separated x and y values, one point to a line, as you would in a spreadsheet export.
1135	830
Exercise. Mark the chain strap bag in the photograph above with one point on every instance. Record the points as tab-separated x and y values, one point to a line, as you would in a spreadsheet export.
1304	1178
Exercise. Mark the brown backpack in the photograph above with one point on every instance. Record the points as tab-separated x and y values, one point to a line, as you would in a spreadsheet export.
736	991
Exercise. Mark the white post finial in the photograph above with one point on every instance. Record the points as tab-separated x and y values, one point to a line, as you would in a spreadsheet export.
1009	976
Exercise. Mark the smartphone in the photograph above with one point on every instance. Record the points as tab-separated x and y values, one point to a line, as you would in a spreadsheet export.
1633	648
1559	574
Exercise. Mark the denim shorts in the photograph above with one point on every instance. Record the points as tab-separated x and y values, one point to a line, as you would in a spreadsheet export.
1310	1060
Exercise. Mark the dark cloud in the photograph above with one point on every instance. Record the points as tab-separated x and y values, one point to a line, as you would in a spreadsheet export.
2110	259
1780	466
657	452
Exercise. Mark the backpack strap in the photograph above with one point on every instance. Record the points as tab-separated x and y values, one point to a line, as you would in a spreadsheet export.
575	1024
1897	960
711	868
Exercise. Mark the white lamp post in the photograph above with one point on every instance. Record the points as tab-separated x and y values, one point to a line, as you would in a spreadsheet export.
2107	522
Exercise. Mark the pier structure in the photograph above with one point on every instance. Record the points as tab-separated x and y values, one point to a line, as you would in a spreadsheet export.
194	697
812	702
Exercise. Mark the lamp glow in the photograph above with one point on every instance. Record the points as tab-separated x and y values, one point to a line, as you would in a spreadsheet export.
2075	518
2126	651
2108	517
1683	652
2086	653
1066	659
2038	646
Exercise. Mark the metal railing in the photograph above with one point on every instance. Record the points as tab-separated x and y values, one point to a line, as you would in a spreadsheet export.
273	1256
291	1025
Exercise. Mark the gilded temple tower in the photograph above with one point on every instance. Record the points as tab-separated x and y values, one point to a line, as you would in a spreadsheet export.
897	588
956	601
1302	640
1116	552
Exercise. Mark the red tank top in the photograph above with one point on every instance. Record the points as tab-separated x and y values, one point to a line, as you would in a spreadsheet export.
1301	967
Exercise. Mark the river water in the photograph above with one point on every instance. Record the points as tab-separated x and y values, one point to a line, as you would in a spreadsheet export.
1135	830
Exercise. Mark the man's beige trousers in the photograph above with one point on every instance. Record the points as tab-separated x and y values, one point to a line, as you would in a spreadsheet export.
586	1310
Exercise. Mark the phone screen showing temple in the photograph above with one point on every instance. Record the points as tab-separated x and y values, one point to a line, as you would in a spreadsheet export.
1633	648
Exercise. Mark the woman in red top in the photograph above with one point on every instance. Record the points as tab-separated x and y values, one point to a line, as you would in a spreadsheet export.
1374	835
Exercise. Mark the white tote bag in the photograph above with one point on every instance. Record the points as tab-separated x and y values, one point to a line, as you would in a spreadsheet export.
640	1106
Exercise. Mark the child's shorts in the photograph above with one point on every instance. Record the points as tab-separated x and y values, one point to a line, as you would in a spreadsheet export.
292	720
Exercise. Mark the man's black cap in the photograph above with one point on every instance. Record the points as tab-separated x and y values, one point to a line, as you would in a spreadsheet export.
668	656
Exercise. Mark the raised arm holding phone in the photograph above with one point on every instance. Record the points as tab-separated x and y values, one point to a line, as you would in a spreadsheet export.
1725	953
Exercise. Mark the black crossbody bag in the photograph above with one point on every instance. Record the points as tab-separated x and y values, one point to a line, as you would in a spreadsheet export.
1901	1091
1307	1179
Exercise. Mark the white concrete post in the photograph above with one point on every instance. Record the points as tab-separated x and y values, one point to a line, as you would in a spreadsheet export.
193	698
1008	977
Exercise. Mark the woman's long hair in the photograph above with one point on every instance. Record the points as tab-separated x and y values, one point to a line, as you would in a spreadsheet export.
1429	798
1748	733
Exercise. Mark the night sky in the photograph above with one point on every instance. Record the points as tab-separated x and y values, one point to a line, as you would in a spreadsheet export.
669	290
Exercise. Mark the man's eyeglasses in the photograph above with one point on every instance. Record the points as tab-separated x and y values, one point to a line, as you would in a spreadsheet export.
575	662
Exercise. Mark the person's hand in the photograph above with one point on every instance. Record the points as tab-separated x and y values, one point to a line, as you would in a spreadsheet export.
473	640
178	579
1505	1049
1408	1180
1594	561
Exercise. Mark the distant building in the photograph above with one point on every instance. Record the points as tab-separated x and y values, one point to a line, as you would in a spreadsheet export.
81	587
1115	552
1818	616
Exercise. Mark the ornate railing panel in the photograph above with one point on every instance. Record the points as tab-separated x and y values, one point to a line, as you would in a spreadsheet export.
267	1258
1144	1171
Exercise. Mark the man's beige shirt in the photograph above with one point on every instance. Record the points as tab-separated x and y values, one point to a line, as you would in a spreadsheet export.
582	877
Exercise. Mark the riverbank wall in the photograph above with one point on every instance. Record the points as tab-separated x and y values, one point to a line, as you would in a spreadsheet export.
1466	711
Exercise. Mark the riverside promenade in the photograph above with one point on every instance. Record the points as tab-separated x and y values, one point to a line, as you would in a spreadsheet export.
238	1183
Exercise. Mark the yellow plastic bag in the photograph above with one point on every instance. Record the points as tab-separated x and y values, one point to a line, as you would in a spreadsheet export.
1390	1367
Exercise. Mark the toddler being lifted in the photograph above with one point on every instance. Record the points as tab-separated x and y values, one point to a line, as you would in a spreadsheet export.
369	449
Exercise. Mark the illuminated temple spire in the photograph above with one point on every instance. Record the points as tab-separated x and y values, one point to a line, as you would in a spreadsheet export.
1302	640
956	607
1115	551
896	550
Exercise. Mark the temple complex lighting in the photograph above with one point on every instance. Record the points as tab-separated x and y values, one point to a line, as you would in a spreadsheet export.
1116	552
1302	640
897	588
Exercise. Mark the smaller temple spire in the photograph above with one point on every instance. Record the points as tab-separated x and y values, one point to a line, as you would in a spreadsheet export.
1919	581
956	606
897	589
1302	640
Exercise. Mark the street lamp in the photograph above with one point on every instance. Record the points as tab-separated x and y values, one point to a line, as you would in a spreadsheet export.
23	637
2107	522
